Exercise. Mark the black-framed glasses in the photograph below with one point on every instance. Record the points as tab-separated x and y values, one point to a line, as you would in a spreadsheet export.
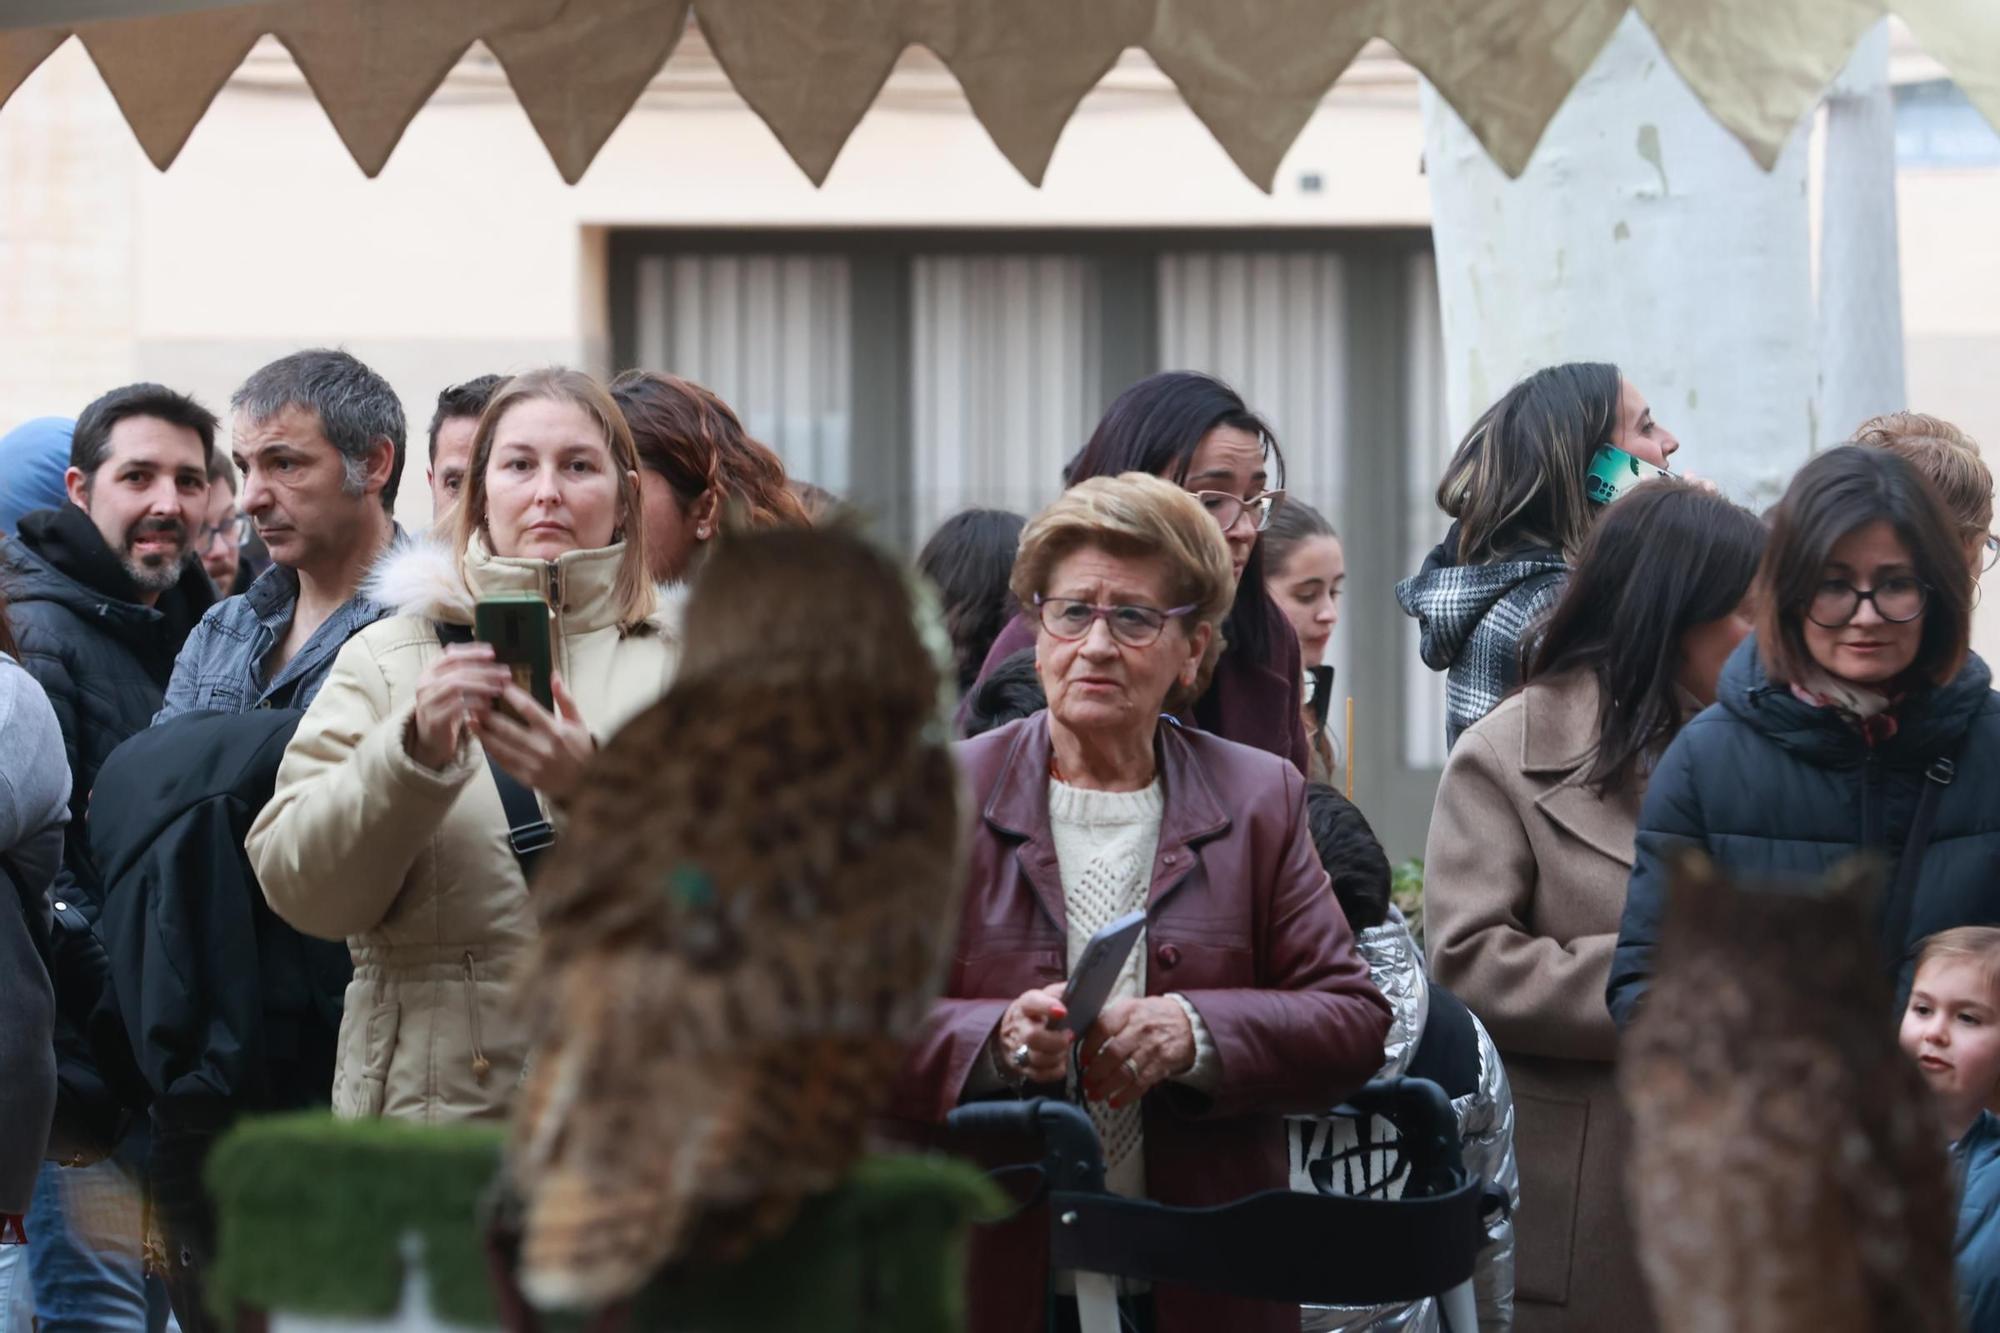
1133	626
1225	508
236	529
1898	601
1989	553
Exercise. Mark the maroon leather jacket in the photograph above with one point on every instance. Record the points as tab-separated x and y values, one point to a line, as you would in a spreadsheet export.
1261	704
1241	921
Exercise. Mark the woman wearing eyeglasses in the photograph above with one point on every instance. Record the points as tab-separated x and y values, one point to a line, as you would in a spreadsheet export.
1855	718
1242	1002
1198	433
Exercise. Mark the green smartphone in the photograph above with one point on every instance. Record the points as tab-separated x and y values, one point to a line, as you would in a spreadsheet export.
520	629
1614	472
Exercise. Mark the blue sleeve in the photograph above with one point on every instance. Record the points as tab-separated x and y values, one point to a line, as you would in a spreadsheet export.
181	691
1670	821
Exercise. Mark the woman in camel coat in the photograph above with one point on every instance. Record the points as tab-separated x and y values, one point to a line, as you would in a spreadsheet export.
1530	849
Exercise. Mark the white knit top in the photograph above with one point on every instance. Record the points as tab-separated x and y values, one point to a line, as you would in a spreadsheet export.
1105	843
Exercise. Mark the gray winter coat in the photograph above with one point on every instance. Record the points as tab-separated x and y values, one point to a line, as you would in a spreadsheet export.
34	807
1486	1134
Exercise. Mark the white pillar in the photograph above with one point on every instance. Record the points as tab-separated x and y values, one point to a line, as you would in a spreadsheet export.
1641	233
1860	287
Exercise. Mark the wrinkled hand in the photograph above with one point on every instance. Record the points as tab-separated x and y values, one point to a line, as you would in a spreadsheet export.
543	750
1134	1046
455	689
1026	1023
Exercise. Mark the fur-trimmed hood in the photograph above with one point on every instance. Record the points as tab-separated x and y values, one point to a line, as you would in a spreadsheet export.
422	576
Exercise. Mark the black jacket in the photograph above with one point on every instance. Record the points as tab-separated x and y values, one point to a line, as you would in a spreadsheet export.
228	1008
101	655
1773	788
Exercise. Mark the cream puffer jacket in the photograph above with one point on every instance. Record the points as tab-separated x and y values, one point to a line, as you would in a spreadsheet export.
412	866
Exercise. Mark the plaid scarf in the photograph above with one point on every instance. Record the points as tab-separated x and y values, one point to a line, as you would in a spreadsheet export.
1472	620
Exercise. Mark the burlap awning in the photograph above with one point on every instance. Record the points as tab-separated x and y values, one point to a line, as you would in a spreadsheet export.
1252	70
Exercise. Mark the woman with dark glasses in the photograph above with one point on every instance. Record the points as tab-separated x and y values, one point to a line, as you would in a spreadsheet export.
1856	718
1198	433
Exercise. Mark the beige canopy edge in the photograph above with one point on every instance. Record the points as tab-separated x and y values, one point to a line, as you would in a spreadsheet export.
1252	70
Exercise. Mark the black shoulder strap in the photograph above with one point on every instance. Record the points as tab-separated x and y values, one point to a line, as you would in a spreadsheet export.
1902	899
528	833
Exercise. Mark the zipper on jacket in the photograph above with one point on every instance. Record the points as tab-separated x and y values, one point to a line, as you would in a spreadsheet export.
480	1064
554	578
1871	823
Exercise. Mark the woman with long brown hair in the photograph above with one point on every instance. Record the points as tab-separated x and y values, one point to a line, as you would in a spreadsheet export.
697	467
1516	492
389	826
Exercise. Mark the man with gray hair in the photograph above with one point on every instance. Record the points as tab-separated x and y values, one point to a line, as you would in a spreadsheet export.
318	439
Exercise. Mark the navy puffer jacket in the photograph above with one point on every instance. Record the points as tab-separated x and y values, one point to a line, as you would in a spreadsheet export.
1773	789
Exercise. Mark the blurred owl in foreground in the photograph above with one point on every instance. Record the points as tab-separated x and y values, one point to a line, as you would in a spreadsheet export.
1787	1173
745	921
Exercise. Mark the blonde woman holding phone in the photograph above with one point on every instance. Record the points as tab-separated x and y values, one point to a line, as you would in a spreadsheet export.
388	827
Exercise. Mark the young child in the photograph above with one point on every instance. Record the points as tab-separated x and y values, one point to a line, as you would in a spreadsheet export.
1431	1035
1951	1028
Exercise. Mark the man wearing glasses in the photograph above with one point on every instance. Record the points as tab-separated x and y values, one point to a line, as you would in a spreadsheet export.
319	440
219	541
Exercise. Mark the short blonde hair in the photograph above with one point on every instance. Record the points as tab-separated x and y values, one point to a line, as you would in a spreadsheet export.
1947	457
637	598
1979	944
1134	515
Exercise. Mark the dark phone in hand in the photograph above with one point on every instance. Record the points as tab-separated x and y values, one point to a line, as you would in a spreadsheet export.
520	630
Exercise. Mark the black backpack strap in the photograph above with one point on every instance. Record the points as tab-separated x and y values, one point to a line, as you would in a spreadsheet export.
528	832
1902	899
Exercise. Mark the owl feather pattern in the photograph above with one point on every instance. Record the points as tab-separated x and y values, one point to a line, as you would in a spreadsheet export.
745	921
1787	1173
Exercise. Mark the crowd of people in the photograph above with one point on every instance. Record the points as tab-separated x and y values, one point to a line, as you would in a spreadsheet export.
271	808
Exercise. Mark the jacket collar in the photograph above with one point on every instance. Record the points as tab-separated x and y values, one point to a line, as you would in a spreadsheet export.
1019	808
1558	736
425	578
1559	723
1930	721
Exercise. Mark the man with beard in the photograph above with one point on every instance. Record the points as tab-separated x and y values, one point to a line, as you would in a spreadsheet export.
102	591
318	439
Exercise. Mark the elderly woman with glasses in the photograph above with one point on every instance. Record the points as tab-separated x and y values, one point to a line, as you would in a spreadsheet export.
1198	433
1242	1002
1856	718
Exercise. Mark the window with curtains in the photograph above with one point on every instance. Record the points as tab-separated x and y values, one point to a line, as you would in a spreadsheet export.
920	373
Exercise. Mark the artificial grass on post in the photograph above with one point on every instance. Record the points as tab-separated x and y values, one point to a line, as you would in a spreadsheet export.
312	1213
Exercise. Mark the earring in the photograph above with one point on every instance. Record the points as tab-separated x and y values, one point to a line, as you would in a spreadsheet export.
701	532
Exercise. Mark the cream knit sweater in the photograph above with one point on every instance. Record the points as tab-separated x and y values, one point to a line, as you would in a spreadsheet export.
1105	842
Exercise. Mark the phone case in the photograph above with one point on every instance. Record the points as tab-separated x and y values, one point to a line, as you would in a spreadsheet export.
1614	472
522	634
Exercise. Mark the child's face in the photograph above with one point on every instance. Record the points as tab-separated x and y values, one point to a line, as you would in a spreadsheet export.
1952	1030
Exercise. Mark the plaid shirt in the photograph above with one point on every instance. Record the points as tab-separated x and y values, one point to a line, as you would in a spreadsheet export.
221	667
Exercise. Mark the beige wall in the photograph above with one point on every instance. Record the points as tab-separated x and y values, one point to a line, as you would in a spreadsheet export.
468	253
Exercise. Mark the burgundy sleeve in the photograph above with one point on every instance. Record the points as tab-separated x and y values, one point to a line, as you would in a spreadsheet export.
941	1058
1312	1031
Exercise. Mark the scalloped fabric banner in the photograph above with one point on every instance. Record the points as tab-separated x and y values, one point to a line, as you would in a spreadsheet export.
1251	70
